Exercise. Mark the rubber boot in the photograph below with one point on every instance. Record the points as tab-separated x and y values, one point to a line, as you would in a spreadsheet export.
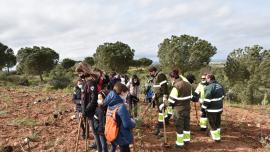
179	141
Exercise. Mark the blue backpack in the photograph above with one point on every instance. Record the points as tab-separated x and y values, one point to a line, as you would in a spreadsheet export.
149	92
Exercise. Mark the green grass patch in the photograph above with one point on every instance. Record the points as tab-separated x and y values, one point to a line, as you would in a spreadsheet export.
24	122
47	88
68	90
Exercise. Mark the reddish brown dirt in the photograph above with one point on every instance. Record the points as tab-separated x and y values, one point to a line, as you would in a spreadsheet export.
242	128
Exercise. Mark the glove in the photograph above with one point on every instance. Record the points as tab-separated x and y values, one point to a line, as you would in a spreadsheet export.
203	110
161	107
171	104
133	121
136	99
165	98
195	97
154	96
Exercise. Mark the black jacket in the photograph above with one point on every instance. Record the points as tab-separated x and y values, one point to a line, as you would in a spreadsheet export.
99	121
76	94
89	98
112	82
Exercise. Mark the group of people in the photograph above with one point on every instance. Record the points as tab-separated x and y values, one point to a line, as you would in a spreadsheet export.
96	93
174	97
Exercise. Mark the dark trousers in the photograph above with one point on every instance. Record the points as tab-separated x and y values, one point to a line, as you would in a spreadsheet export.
182	118
102	141
149	100
83	129
133	106
214	120
82	124
154	103
123	148
95	134
203	115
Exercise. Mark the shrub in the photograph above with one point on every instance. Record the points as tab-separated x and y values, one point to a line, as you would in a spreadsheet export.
3	76
23	81
60	78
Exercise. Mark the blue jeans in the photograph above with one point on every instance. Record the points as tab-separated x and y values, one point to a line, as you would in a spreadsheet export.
96	136
102	141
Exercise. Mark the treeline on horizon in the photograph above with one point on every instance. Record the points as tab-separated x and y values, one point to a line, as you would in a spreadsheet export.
245	74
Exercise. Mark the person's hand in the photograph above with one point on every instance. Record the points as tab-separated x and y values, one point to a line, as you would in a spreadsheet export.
165	98
203	110
133	121
154	96
161	107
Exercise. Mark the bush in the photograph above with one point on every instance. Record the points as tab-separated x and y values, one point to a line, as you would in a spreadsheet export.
24	82
3	76
60	82
60	78
14	79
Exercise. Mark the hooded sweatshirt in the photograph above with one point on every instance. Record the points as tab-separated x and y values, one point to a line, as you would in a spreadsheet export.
125	136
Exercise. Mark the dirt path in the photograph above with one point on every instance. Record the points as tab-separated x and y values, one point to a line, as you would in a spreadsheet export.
21	117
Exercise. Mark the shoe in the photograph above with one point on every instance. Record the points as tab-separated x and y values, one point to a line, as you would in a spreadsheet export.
186	142
217	141
178	147
93	146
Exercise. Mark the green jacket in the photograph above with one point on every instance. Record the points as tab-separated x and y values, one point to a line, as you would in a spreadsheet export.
200	92
160	85
214	95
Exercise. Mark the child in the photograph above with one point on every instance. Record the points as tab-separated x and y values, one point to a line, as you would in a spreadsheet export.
77	101
149	92
99	122
116	99
133	99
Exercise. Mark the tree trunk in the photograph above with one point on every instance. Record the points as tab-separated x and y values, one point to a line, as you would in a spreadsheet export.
41	78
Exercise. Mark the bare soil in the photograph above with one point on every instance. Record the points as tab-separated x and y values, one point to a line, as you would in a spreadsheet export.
29	112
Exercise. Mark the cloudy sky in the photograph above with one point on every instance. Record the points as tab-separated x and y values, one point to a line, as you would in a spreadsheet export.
75	28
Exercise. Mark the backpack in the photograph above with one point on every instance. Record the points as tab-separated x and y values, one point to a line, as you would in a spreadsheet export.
149	92
111	126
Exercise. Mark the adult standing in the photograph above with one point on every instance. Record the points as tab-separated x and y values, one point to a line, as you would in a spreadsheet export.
199	95
89	96
134	92
179	99
213	105
160	87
